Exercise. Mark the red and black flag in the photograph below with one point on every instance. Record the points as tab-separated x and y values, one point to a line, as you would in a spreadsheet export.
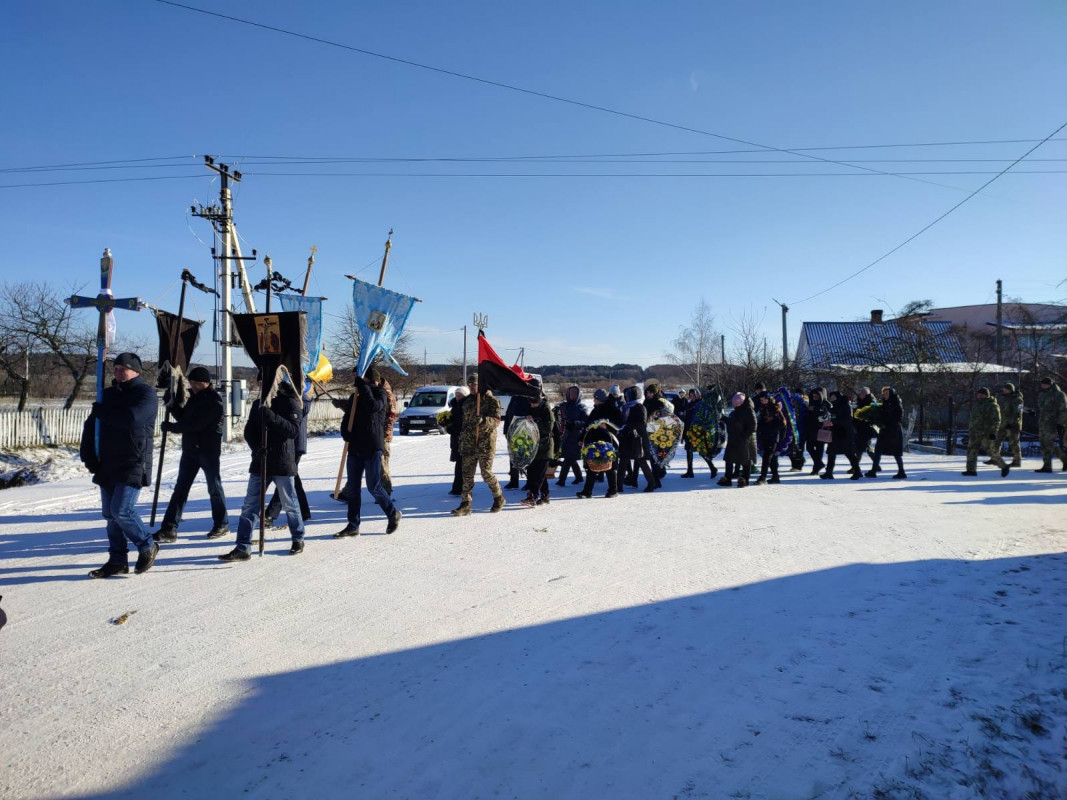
494	374
275	343
176	346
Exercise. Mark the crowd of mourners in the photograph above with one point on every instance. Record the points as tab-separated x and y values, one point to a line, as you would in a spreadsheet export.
626	435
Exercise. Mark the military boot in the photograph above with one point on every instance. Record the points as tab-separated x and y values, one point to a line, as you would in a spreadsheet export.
498	503
464	509
1064	465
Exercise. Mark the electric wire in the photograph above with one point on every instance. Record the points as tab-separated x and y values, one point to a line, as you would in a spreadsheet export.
927	227
530	92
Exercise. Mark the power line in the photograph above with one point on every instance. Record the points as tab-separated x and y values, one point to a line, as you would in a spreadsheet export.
101	180
530	92
923	230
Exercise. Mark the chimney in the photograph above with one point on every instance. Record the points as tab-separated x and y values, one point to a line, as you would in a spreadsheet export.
876	316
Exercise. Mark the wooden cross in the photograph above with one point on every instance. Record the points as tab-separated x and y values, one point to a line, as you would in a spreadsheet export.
104	302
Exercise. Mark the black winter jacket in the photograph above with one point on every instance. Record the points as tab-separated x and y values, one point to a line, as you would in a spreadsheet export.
455	425
127	416
844	431
542	417
634	432
282	421
770	430
812	419
574	418
367	433
741	434
199	422
891	438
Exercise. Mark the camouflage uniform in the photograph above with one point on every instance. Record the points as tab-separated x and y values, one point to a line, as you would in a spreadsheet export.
391	411
985	421
1011	423
1051	417
477	442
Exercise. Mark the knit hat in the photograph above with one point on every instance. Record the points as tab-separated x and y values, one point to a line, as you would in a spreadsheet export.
615	390
600	395
128	360
462	391
200	374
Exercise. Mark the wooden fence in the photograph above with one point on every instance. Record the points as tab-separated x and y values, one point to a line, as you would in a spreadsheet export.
46	426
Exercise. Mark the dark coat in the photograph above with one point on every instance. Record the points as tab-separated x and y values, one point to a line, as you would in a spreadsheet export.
608	412
282	421
455	425
891	438
542	417
200	422
865	431
301	444
741	433
574	417
518	407
844	431
770	429
127	416
366	435
634	432
816	410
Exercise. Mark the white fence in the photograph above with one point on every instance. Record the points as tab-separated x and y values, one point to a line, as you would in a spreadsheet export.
52	425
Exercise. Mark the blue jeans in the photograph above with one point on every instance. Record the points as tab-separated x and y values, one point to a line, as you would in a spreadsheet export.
358	465
283	484
119	507
188	467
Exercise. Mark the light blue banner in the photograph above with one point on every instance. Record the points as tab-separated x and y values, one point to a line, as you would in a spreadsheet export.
312	308
381	315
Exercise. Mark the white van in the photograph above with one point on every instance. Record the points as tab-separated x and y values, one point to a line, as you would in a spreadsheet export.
420	412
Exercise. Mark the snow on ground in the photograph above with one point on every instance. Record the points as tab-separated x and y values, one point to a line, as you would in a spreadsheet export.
876	639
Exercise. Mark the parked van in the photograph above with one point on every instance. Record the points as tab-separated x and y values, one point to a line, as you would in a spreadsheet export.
420	412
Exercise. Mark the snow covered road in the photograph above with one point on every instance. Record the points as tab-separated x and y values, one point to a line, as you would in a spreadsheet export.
813	639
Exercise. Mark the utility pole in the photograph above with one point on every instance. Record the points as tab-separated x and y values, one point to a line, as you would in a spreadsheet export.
464	356
221	219
722	348
1000	320
785	337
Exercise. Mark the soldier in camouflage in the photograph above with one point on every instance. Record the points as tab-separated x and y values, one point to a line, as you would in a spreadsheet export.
1051	420
480	413
985	422
1011	423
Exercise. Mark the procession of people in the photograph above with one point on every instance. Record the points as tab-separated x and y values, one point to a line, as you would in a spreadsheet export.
628	433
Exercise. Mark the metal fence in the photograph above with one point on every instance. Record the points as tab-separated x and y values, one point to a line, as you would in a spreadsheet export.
49	426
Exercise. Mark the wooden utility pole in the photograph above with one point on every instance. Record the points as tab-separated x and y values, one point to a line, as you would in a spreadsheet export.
1000	321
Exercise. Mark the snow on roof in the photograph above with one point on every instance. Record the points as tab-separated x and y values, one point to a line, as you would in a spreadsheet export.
964	367
870	344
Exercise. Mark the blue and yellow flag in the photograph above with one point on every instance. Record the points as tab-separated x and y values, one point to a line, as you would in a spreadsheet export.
381	315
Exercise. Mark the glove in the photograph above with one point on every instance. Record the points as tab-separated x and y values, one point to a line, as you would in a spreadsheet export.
168	427
98	409
267	414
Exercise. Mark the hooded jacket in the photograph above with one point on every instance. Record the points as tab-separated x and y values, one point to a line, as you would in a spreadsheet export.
741	433
574	417
200	422
634	431
891	436
844	432
770	427
282	420
366	435
817	409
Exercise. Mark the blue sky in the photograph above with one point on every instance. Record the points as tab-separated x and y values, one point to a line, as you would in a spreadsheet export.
578	264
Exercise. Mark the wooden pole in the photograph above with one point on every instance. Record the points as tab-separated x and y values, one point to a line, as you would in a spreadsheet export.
263	437
307	274
175	343
355	395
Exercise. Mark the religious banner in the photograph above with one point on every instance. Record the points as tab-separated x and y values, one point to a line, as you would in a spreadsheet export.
381	315
312	307
275	343
176	348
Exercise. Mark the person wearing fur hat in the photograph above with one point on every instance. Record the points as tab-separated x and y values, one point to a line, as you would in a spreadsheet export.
770	434
455	424
199	421
740	441
604	424
843	442
982	432
574	417
120	459
891	436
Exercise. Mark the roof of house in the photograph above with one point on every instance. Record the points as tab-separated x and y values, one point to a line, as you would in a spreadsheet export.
825	344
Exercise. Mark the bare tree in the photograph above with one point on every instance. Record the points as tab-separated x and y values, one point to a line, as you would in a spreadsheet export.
754	359
343	343
697	344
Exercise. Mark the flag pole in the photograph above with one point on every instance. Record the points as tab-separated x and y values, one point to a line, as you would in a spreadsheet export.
355	395
263	434
174	344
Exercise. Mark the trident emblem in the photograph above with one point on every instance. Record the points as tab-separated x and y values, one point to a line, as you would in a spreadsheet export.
481	320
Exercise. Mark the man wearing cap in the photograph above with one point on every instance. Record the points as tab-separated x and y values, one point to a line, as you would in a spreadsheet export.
1051	419
1011	423
365	435
199	422
477	444
985	421
121	463
281	419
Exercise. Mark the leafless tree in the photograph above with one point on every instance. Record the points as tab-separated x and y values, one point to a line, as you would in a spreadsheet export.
343	342
697	345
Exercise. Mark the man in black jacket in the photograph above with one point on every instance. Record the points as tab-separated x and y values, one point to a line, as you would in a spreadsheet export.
120	459
199	422
281	419
366	441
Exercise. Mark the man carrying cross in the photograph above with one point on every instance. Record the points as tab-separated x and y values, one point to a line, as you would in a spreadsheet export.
122	466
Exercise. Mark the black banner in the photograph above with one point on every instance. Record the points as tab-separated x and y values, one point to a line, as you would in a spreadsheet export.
273	341
174	348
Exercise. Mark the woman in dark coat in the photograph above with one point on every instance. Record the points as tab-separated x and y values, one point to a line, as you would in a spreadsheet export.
455	424
574	418
740	441
818	410
770	433
844	441
604	411
655	404
891	437
541	415
632	439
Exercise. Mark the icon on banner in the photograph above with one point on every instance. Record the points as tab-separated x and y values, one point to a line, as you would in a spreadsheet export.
269	333
376	322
